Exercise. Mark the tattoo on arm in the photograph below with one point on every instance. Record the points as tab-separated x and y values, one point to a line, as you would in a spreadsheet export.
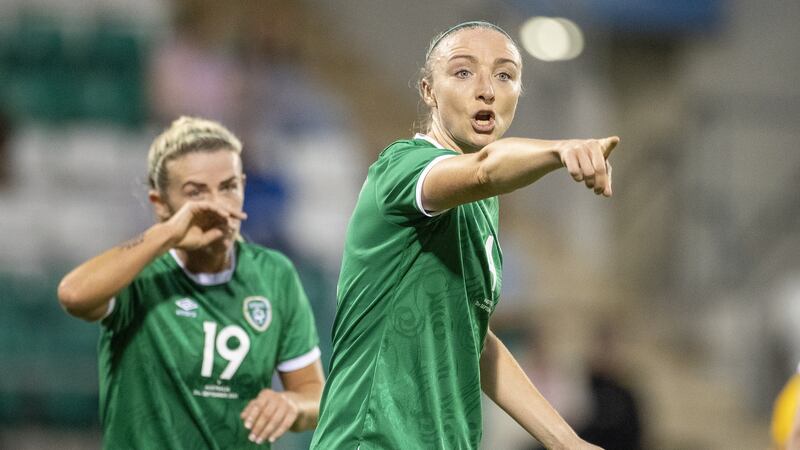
129	244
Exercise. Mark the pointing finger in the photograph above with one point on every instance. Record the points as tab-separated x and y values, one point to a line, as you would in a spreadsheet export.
608	192
609	144
241	215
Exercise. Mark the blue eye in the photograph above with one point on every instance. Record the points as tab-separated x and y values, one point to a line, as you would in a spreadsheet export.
463	73
504	76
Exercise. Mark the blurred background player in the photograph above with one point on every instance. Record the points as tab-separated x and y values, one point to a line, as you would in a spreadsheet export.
194	321
785	417
422	267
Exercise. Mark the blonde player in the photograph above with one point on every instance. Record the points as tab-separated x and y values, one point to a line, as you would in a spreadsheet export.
194	322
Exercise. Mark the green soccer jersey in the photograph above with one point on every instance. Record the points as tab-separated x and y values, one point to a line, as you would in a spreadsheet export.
182	354
414	298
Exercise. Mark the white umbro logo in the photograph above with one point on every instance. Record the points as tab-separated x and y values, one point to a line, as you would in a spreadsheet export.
186	307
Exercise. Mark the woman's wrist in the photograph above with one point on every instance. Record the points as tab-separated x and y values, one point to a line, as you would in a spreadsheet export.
306	411
163	233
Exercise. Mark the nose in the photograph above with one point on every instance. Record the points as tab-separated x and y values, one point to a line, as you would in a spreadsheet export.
215	197
485	89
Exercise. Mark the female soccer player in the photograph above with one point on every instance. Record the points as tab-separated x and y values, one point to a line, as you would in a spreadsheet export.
194	321
421	272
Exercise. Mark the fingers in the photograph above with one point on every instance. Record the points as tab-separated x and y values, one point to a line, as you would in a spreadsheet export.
587	168
219	211
570	161
260	416
609	144
586	161
264	421
283	428
241	215
599	165
269	416
210	236
573	167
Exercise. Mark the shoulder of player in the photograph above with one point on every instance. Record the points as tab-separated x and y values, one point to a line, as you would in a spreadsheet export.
405	145
408	151
265	257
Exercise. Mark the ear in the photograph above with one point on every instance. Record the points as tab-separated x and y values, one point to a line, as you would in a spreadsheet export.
426	88
160	206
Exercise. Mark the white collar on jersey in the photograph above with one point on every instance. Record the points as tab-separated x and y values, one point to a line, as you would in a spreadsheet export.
429	139
208	279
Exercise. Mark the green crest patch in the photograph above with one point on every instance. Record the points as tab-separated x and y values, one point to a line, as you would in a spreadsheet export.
258	312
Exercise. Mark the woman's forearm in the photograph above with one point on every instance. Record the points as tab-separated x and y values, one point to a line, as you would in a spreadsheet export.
509	164
504	381
87	289
513	163
307	401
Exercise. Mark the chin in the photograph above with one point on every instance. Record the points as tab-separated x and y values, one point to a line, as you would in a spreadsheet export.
221	246
482	140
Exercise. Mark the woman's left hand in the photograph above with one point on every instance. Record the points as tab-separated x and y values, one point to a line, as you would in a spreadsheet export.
269	415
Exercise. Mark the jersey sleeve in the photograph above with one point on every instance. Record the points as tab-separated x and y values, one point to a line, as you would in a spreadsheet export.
300	344
398	179
121	308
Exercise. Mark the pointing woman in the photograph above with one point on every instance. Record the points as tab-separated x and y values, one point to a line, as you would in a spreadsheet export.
422	266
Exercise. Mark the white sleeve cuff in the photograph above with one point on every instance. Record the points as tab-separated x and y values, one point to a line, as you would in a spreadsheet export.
301	361
111	304
421	180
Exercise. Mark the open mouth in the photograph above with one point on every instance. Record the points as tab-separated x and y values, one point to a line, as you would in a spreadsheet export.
483	121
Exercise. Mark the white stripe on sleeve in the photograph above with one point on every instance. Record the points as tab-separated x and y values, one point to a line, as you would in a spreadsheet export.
421	180
301	361
111	304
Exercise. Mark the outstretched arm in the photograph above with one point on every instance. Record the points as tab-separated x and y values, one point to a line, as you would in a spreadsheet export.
512	163
86	291
504	381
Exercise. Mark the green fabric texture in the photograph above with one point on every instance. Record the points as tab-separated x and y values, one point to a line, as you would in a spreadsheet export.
414	298
179	360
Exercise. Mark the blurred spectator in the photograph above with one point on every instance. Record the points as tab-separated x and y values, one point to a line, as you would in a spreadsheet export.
605	411
556	371
614	422
193	74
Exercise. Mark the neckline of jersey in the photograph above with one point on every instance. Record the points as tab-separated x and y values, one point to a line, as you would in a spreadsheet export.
207	278
425	137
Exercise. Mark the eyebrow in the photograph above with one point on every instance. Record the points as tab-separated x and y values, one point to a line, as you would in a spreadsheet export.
193	183
506	60
198	184
475	60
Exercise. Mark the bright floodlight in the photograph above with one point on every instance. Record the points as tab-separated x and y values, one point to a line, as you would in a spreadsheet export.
551	38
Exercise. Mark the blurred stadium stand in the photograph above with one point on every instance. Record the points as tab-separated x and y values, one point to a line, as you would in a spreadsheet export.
694	260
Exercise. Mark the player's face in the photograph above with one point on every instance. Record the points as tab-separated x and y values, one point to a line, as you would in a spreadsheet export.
214	177
475	87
